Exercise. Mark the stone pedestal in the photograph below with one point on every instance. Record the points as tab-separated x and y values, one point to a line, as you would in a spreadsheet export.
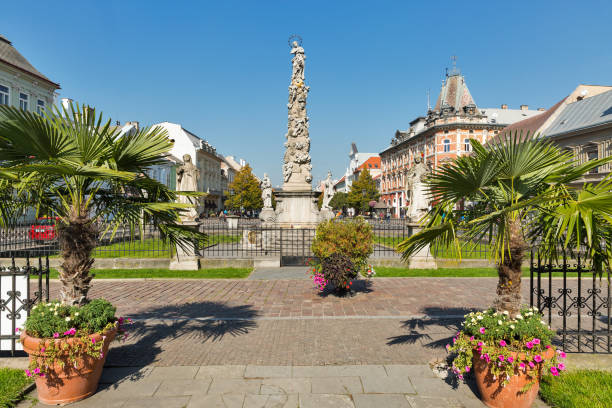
232	221
185	258
423	259
327	214
267	215
297	209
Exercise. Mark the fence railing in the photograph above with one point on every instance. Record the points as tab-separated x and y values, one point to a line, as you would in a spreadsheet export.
17	296
575	301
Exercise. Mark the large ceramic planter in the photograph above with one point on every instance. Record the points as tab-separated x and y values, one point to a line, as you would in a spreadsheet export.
72	382
495	395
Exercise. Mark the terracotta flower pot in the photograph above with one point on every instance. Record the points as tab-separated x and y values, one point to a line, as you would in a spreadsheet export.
73	382
495	395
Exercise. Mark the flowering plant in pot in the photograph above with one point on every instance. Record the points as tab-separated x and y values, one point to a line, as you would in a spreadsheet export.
507	355
68	346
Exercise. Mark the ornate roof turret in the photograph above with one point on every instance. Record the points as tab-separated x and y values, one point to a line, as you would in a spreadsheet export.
455	97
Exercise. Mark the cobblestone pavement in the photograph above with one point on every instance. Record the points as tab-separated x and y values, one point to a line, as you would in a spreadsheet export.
287	322
240	386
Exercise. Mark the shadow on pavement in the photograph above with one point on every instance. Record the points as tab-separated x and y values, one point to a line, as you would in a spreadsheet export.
439	321
199	322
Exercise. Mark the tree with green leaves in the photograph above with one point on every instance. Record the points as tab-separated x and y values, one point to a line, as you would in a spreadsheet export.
520	194
363	190
73	165
339	201
244	192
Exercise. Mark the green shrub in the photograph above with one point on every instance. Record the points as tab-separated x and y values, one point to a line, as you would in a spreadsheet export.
352	238
339	270
47	319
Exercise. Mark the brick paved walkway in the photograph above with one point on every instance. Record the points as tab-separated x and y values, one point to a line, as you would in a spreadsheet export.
287	322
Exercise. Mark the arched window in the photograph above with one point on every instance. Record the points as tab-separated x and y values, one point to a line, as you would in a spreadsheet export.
447	145
466	145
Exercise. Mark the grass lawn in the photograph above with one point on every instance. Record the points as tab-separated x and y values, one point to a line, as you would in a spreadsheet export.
389	272
222	239
12	382
470	251
216	273
578	388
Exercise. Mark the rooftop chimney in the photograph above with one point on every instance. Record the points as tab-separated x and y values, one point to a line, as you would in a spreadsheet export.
504	106
524	107
541	109
135	124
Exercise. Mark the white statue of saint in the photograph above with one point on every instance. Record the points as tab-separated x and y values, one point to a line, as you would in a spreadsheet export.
416	190
298	63
187	180
266	191
328	190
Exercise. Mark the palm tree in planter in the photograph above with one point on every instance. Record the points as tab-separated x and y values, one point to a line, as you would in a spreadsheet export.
73	165
517	192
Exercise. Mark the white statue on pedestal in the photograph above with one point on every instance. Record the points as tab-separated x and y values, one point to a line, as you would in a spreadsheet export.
416	190
266	191
328	190
187	180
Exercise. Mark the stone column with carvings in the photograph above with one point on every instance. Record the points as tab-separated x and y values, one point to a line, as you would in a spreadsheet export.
296	162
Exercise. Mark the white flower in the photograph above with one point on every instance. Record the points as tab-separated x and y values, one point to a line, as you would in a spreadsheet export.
68	319
499	322
76	314
519	317
543	322
479	317
512	326
55	314
506	312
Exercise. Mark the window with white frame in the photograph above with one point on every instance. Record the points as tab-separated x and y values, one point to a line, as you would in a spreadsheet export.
447	145
4	95
23	101
466	145
40	106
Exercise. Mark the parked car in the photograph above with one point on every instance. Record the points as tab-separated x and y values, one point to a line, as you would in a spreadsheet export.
44	229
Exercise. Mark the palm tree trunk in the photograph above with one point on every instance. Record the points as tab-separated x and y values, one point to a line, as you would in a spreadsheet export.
510	270
77	240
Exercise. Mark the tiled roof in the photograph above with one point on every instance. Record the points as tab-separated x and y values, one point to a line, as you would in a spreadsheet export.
583	114
370	164
454	93
531	126
10	56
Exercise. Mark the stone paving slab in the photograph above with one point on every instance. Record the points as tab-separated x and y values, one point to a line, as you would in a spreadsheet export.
374	386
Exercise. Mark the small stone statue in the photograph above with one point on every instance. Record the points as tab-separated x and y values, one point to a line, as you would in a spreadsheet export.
416	191
298	62
187	180
266	191
328	190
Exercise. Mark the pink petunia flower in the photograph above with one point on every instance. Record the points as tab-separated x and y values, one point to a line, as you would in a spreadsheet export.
500	357
537	358
561	366
467	369
42	349
554	371
535	341
93	340
510	359
531	364
529	345
522	366
55	335
472	338
28	373
482	330
562	354
480	343
37	370
502	343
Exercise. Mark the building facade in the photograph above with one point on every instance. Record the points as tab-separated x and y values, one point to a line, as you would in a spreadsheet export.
22	85
440	136
205	157
580	123
356	159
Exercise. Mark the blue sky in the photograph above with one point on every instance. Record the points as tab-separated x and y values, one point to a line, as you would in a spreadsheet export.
222	68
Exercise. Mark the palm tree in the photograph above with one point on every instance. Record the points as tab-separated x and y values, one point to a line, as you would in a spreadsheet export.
517	193
72	165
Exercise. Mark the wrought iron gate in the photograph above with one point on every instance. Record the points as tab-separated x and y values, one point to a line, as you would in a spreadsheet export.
295	246
17	298
575	301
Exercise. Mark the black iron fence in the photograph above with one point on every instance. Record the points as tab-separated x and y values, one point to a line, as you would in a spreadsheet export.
35	239
17	296
575	301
